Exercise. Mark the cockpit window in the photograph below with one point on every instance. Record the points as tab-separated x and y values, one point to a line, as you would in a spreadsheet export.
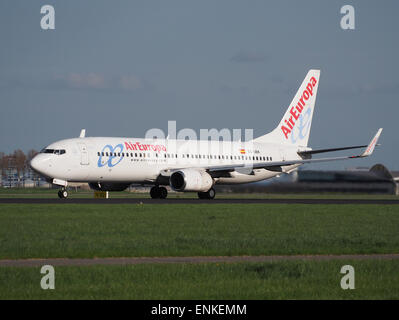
54	151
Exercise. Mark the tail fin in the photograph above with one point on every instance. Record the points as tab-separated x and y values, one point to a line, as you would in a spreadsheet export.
294	127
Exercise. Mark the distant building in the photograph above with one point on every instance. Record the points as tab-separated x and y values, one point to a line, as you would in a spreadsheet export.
377	179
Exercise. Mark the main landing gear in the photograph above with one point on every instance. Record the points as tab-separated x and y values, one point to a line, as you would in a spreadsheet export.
63	193
210	194
158	192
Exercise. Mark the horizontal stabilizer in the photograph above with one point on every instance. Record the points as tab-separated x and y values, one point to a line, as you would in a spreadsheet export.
304	153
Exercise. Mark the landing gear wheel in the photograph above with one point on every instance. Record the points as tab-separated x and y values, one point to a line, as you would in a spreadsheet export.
158	192
155	192
163	193
201	195
63	194
210	194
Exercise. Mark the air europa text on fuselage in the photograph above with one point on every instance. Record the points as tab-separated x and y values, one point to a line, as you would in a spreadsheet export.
296	111
144	147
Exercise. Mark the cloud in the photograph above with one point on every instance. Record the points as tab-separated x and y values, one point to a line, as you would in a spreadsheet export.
130	83
97	81
83	81
249	57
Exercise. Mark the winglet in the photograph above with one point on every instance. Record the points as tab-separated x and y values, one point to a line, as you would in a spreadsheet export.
370	148
82	133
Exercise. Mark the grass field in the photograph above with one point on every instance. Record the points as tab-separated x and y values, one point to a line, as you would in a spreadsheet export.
69	230
45	231
279	280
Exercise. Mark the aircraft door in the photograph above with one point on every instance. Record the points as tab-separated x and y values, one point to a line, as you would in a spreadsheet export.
84	154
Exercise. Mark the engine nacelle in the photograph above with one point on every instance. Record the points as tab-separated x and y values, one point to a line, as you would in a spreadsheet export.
109	186
191	180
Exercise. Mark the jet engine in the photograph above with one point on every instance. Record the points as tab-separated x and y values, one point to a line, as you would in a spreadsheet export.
190	180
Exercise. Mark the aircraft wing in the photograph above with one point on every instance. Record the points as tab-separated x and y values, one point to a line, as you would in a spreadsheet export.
276	165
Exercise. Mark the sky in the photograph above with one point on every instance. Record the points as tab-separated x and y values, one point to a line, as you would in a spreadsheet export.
120	68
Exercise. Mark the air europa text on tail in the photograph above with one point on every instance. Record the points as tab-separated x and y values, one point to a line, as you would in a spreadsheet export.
296	111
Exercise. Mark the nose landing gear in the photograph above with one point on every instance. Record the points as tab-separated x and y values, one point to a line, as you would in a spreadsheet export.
63	193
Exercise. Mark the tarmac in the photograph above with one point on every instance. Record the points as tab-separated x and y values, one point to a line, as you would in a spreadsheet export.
186	201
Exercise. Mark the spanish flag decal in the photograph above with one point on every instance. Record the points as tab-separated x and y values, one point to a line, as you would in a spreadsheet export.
242	151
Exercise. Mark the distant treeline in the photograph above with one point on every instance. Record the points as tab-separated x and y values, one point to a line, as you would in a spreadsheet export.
16	163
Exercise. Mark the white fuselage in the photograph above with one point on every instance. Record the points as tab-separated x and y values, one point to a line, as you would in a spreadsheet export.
143	161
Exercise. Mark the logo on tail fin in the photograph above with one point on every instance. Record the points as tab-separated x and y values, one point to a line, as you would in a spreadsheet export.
296	113
303	126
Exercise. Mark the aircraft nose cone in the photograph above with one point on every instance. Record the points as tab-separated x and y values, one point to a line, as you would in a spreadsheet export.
36	165
33	164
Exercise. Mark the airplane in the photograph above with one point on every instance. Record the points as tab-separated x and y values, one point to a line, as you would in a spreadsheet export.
113	164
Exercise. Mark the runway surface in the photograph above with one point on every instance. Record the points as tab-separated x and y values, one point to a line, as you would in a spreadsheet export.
205	259
191	201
